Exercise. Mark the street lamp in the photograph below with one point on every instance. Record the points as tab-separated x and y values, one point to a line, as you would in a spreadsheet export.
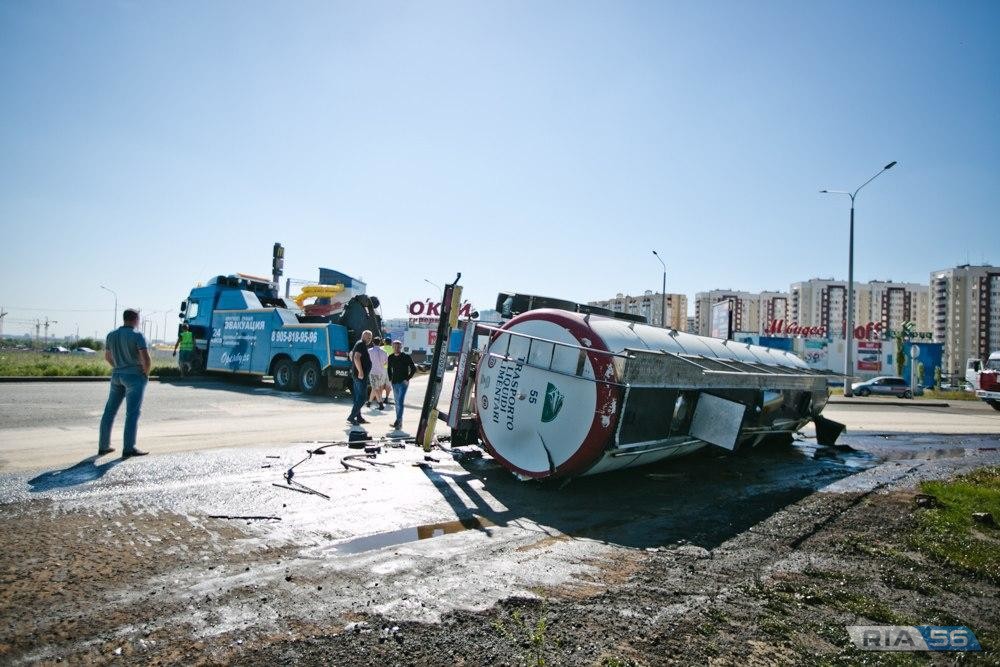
849	334
434	284
663	292
114	315
165	313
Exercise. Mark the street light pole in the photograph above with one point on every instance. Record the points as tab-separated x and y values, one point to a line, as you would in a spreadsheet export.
663	293
849	333
114	315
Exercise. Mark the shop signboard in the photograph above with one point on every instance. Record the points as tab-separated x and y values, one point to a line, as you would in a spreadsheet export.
869	356
816	354
722	320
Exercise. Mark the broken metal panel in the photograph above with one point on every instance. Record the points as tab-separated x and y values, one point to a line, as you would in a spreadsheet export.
718	421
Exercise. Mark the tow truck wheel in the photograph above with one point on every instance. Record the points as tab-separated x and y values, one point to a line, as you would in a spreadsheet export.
285	376
310	377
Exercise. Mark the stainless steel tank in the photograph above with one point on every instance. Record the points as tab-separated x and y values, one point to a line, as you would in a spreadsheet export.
560	393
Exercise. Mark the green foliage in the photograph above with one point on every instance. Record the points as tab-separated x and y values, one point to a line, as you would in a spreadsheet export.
40	364
948	533
533	636
920	372
937	377
900	357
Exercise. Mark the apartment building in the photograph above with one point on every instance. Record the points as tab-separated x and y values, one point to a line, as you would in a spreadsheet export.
649	304
772	306
965	313
821	302
891	304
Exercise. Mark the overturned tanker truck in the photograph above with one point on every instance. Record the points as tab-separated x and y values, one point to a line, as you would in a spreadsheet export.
578	390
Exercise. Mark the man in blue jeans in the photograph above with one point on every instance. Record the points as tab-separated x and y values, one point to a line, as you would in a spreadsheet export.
401	369
125	349
361	368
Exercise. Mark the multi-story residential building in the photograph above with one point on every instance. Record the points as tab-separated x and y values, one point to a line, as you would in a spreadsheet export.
692	325
773	306
891	304
650	305
965	311
822	302
746	309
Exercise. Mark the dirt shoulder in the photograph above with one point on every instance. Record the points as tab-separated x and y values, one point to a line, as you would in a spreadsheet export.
129	585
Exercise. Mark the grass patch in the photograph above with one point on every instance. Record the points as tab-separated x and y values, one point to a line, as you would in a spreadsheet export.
16	363
532	637
950	395
949	534
21	363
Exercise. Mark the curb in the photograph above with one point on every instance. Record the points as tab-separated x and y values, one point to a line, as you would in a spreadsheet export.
900	404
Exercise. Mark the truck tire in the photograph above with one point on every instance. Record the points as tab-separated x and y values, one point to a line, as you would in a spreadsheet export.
311	380
286	377
995	405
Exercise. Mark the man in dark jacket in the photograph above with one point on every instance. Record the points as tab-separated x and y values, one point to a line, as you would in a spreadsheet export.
401	369
361	367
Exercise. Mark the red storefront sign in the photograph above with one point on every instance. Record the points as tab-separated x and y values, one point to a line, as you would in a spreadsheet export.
783	327
428	308
867	331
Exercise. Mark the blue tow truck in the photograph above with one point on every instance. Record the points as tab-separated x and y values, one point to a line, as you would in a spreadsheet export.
242	327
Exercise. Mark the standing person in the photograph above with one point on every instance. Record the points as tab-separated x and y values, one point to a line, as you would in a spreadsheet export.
185	341
387	348
401	369
125	349
379	377
361	366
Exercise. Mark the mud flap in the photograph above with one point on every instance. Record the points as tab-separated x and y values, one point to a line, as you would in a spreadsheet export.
827	430
717	421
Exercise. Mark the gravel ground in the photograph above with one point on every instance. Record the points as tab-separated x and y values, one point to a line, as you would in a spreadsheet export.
760	559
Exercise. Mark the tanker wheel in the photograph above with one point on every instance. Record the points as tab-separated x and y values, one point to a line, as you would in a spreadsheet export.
286	377
310	377
995	405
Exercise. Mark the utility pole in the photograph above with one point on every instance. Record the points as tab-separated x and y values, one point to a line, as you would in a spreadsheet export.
663	293
48	322
38	329
3	314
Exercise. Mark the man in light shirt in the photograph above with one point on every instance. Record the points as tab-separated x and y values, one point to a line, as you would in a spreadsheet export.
125	349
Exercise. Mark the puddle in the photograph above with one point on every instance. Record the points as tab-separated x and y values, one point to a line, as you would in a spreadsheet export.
413	534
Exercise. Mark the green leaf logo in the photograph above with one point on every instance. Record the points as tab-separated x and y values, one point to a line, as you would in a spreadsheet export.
553	403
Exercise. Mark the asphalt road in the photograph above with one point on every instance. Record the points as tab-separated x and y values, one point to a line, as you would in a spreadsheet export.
46	424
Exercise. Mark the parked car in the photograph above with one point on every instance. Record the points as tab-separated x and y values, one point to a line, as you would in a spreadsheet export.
883	386
57	349
84	350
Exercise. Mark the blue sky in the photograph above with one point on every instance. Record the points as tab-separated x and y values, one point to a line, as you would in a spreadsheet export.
544	147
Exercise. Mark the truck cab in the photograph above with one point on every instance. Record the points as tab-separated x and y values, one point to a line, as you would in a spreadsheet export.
985	379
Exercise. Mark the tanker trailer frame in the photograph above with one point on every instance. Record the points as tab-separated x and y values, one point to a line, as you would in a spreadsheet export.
560	393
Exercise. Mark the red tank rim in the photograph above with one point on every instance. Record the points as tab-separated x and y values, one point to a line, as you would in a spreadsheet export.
592	448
